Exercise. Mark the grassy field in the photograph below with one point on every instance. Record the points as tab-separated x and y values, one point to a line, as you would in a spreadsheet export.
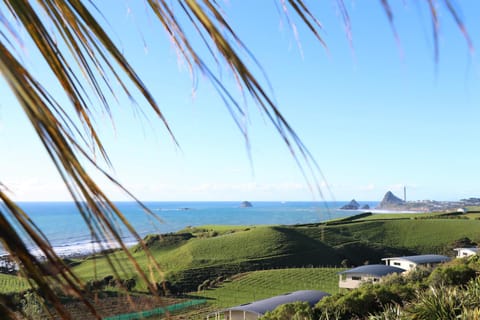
258	285
396	216
194	255
210	251
12	283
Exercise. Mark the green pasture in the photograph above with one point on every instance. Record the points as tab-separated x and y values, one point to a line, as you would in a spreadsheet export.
194	255
230	248
258	285
220	229
12	283
225	250
396	216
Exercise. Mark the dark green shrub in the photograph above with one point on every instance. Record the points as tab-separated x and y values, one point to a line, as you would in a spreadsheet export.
436	303
367	299
389	312
130	284
291	311
107	279
94	285
165	288
418	274
32	306
451	275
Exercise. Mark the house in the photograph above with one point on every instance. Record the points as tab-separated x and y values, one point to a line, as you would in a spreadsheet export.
257	309
466	252
353	278
410	262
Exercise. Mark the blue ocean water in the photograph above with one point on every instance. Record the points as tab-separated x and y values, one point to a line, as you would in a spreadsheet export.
69	235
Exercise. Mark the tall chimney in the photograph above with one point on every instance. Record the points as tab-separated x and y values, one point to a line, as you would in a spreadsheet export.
405	193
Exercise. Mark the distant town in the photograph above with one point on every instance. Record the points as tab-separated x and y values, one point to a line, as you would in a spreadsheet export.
393	203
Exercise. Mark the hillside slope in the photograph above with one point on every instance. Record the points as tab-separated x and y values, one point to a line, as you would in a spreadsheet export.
198	257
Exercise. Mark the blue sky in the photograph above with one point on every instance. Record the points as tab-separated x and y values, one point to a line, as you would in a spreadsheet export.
375	115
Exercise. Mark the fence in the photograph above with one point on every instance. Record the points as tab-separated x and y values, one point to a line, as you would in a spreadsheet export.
157	311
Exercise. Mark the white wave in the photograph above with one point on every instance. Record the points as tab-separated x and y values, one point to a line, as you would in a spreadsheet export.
77	249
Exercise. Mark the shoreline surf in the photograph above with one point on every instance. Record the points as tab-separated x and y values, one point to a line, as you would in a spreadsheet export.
69	236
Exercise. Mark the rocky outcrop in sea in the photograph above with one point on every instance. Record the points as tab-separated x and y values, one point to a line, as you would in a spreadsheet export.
352	205
245	204
391	202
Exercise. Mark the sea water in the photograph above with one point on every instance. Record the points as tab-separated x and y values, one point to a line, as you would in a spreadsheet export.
68	233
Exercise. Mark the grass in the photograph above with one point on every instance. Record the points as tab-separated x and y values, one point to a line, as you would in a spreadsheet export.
473	215
396	216
258	285
220	229
225	250
12	283
196	254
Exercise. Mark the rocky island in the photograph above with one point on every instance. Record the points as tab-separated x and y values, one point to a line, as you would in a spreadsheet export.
245	204
391	202
352	205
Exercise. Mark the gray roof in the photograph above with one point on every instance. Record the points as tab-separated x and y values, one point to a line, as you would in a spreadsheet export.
378	270
423	259
262	306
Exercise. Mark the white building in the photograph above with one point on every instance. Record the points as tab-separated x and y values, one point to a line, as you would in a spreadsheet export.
466	252
353	278
410	262
255	310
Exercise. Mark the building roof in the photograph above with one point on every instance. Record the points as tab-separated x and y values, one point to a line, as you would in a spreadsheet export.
378	270
262	306
422	259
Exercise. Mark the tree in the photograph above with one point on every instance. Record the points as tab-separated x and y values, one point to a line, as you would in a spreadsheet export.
82	58
291	311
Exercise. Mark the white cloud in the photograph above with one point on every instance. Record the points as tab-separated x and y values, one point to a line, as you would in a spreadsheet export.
32	189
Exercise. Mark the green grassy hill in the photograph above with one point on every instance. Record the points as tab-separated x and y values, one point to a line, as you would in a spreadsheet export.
192	261
208	252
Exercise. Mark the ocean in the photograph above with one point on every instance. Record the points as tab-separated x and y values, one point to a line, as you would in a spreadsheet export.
69	235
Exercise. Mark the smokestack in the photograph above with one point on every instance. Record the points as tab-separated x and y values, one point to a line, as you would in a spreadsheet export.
405	193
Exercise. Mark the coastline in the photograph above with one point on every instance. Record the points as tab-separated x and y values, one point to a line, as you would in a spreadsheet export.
70	237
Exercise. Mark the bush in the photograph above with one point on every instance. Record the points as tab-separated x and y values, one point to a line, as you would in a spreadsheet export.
471	292
418	275
436	303
165	288
32	306
291	311
389	312
130	284
450	275
94	285
367	299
